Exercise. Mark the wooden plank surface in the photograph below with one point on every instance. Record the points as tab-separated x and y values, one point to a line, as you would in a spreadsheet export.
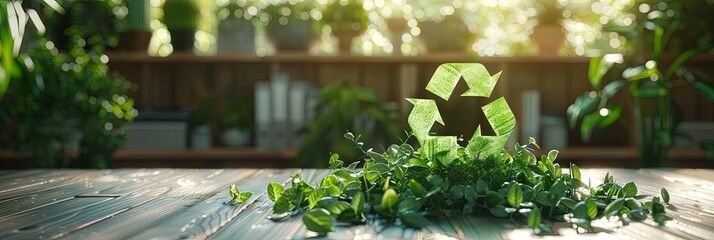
189	204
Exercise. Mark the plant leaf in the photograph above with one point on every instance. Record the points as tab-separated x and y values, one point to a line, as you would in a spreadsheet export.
515	195
417	188
665	195
318	220
408	205
244	196
614	207
274	191
389	199
534	218
629	190
357	202
575	171
414	219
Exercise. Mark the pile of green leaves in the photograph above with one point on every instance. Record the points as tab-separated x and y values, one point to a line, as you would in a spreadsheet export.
401	186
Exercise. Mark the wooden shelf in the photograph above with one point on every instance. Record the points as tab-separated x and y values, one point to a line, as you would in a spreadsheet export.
211	158
127	57
300	57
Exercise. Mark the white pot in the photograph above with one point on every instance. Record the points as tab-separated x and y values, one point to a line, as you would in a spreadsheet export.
234	137
201	137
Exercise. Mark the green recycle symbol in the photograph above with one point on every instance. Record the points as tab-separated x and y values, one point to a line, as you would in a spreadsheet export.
480	84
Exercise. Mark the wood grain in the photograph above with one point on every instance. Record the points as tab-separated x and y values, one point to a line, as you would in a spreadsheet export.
189	204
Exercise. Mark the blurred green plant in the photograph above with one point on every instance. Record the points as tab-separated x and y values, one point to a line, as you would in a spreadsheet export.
650	83
203	114
236	115
340	107
181	19
12	30
345	15
64	96
99	21
282	11
65	99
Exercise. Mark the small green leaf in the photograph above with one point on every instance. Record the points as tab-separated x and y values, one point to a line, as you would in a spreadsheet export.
389	199
592	208
568	203
414	219
416	188
481	186
515	195
337	207
498	211
376	157
629	190
493	199
274	191
575	172
244	196
552	155
234	192
357	202
470	193
665	195
282	205
316	195
435	180
558	189
660	218
581	211
409	205
349	136
457	191
318	220
329	181
534	218
614	207
334	157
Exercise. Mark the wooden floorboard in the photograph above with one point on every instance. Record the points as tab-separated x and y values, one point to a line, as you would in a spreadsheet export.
73	219
189	204
202	220
253	222
100	185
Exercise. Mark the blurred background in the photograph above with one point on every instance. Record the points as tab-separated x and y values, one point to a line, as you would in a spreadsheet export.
276	83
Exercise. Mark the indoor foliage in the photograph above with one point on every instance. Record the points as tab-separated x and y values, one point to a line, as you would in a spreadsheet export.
403	185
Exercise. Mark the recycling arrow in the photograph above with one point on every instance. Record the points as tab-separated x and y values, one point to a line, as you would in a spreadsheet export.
480	84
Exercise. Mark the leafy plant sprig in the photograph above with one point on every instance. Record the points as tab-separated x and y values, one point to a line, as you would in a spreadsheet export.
400	186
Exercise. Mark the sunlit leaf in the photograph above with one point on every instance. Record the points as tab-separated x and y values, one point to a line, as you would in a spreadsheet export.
318	220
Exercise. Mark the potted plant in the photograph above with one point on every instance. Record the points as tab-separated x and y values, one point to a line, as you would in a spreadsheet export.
99	21
650	81
200	125
236	30
181	19
340	107
347	20
445	33
289	25
138	33
236	124
548	35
